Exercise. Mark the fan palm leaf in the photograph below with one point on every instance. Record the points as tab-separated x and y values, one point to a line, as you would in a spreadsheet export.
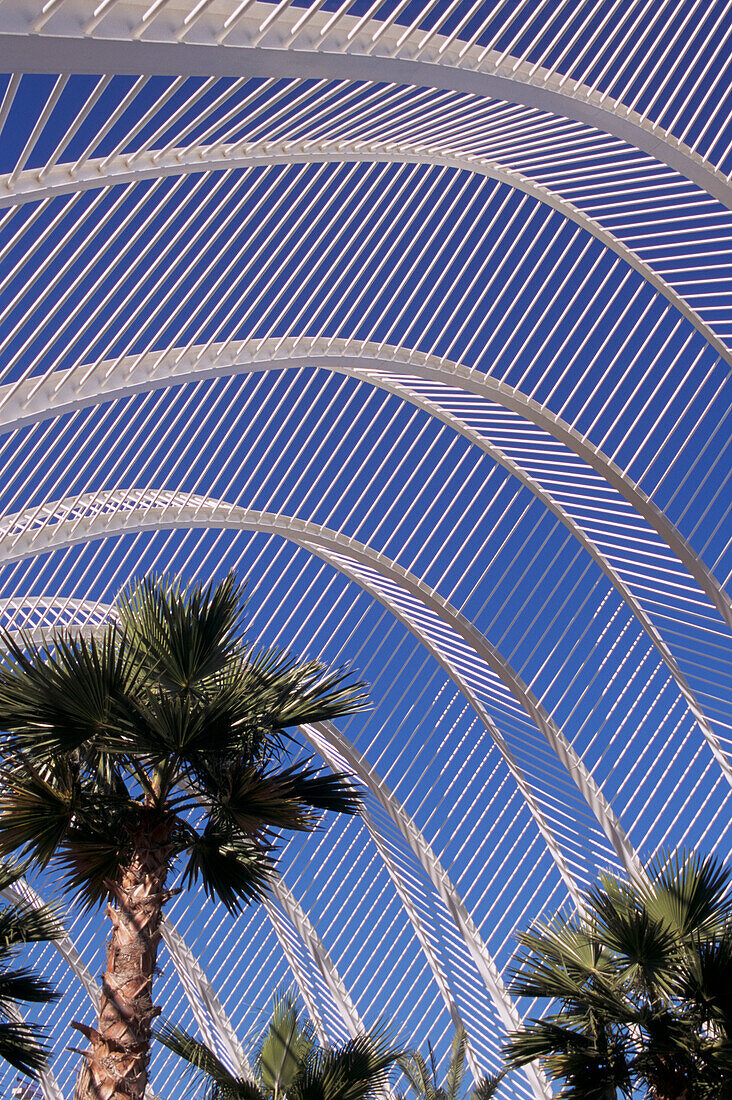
158	748
641	980
414	1068
206	1069
456	1066
22	1044
288	1063
286	1047
351	1072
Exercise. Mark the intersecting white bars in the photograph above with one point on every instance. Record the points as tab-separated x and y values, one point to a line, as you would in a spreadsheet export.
444	290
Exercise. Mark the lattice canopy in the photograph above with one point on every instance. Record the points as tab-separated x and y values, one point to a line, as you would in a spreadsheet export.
418	314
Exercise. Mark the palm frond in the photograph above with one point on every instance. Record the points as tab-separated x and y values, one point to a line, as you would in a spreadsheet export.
705	981
414	1068
282	1052
24	985
252	798
486	1088
293	692
689	891
55	698
10	871
206	1067
164	727
352	1072
37	806
24	1047
87	863
644	948
22	922
236	870
456	1066
184	635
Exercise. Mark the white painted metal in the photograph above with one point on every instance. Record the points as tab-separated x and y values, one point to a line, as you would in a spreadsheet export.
470	70
489	244
112	512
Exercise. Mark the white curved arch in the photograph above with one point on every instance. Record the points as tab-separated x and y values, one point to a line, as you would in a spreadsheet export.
299	974
111	50
201	994
325	737
339	753
28	187
433	960
30	402
112	512
37	399
34	615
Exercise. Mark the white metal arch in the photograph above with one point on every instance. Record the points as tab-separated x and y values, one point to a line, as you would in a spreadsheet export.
112	512
339	753
36	399
74	43
30	402
29	186
337	749
528	118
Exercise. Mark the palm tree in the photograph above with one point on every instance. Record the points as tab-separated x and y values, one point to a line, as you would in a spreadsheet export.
423	1078
642	981
288	1063
22	1044
158	747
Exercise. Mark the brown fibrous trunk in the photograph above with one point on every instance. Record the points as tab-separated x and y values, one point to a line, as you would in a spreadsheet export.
115	1066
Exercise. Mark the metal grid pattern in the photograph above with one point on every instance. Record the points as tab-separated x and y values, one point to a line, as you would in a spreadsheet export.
417	313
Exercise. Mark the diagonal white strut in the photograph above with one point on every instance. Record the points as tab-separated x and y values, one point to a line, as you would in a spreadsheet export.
113	512
388	369
81	50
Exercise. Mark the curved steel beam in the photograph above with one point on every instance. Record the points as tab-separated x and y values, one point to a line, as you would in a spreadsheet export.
64	46
31	402
199	991
299	974
113	512
37	399
337	750
60	180
339	753
308	934
433	960
45	605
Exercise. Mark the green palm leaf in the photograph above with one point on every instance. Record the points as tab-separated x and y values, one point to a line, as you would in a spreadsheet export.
352	1072
37	806
25	985
24	1047
690	892
184	635
487	1087
286	1048
206	1068
236	870
57	697
294	692
456	1066
252	798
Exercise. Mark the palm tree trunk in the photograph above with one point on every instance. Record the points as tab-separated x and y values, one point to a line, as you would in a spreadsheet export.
116	1065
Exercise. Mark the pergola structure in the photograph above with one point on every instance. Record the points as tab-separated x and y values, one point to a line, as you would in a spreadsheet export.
418	313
